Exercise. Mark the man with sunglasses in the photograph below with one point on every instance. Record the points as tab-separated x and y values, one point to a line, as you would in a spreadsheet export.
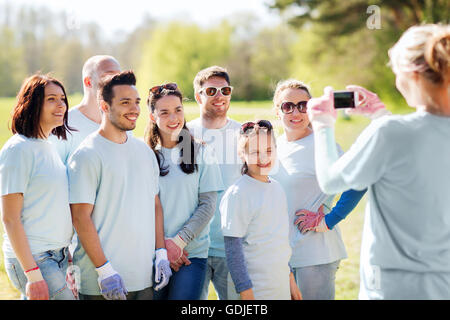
213	94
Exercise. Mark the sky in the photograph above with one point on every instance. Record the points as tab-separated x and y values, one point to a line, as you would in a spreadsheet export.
125	15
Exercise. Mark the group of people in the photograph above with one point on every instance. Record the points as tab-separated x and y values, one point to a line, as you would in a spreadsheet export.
91	212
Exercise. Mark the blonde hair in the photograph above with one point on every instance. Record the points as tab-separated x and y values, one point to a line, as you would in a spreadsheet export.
424	49
289	84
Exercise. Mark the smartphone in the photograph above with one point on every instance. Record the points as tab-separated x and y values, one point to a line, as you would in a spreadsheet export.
345	99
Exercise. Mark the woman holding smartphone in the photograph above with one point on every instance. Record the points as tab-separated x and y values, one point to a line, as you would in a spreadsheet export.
405	163
34	188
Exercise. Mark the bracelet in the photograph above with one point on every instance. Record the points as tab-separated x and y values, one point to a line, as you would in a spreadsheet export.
35	268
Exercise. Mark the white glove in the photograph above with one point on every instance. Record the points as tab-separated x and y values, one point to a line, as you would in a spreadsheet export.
162	269
110	283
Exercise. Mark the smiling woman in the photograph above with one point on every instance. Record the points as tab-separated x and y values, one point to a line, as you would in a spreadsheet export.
34	190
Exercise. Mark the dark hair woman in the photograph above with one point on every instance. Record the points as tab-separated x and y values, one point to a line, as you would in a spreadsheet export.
189	181
34	189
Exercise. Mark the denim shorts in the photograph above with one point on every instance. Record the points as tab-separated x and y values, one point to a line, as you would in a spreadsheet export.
53	265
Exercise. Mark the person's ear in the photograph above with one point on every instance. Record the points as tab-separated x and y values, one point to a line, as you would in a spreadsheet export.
277	112
87	82
104	106
198	99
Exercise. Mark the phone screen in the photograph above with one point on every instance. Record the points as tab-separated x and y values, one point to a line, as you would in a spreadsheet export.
344	99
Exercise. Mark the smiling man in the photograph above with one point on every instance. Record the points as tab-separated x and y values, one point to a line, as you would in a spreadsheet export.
213	95
86	116
113	194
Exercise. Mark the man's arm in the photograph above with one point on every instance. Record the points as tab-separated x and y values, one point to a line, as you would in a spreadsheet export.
87	233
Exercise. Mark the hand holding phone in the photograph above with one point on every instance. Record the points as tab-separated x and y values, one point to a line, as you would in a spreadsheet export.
369	104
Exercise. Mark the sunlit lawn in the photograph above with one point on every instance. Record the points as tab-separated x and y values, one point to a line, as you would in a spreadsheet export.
347	282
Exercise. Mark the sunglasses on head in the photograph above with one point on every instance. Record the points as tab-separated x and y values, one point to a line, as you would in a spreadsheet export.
249	126
167	86
288	107
212	91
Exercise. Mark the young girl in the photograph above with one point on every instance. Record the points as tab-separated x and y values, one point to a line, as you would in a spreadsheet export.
34	188
189	181
255	222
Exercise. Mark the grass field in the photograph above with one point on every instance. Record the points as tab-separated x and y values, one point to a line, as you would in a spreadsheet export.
347	281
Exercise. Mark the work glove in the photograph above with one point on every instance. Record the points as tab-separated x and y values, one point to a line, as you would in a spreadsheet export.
110	283
311	221
174	248
162	269
73	278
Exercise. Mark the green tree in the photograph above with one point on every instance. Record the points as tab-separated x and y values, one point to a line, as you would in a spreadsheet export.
12	70
349	16
177	51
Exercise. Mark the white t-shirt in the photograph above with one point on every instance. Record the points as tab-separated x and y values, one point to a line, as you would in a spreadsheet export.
179	194
121	181
295	171
32	167
405	162
257	212
223	141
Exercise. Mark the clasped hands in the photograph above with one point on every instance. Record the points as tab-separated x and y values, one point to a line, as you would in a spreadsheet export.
175	252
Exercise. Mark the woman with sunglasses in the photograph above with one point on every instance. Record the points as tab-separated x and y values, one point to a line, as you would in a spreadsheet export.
404	160
255	222
189	181
315	239
34	188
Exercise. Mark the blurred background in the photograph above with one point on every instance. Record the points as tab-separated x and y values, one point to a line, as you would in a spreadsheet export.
259	41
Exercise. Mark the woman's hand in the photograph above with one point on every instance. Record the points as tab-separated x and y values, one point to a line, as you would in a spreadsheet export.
36	287
183	260
369	106
247	294
295	291
311	221
321	110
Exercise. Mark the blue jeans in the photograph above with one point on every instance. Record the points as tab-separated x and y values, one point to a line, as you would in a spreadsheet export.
317	282
217	272
186	283
53	265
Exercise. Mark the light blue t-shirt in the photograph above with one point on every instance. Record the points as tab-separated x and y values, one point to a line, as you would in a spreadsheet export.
405	162
224	143
121	181
295	171
84	127
257	212
179	192
32	167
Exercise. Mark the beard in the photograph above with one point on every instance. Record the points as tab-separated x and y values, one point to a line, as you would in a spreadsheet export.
120	123
213	113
